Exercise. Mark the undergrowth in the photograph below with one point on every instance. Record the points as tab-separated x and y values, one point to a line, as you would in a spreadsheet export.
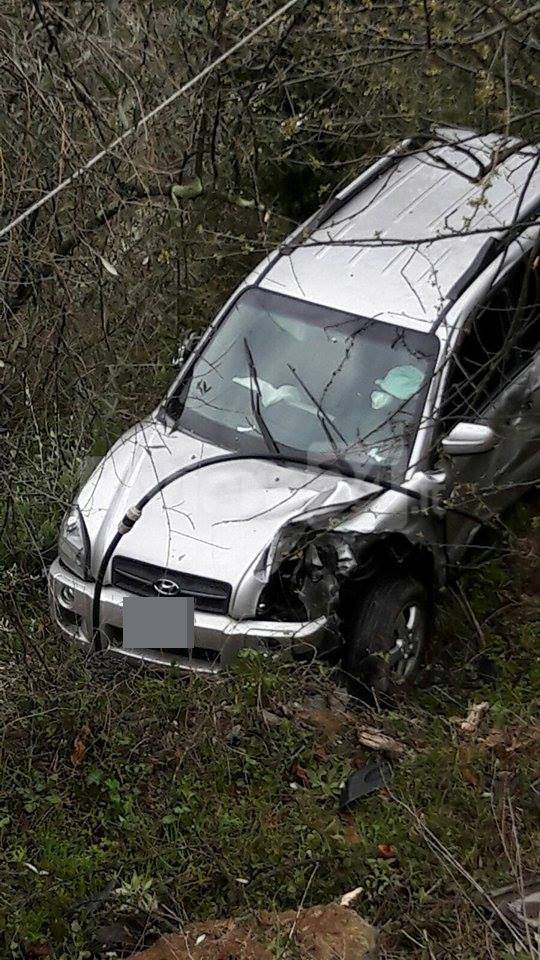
145	799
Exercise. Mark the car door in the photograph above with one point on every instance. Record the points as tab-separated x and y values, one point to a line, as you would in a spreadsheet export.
514	462
495	380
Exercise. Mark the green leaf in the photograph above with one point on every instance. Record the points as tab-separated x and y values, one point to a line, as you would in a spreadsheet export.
186	191
242	202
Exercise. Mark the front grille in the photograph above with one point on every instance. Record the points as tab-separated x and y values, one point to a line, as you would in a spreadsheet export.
134	576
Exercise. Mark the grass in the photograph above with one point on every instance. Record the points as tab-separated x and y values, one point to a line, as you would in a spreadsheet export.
149	799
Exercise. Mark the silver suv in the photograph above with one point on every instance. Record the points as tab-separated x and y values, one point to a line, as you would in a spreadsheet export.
364	402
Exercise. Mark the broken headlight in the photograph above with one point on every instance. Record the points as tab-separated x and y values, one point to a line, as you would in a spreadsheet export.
304	569
74	545
289	542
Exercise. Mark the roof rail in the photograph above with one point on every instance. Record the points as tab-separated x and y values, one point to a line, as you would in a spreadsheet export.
461	137
338	200
446	133
455	136
342	197
487	252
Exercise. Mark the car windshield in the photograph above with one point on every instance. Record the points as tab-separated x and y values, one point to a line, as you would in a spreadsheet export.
289	376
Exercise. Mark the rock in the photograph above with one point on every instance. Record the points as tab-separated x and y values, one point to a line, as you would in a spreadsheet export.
320	933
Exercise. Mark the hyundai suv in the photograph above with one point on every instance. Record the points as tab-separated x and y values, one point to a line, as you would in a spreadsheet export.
364	402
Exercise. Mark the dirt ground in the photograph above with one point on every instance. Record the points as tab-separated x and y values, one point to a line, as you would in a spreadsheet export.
318	933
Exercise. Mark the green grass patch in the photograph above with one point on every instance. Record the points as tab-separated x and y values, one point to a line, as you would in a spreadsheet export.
151	799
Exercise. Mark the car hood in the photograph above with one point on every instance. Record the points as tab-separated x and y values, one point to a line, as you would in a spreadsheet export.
214	522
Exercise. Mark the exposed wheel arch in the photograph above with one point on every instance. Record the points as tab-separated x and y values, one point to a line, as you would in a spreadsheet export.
391	555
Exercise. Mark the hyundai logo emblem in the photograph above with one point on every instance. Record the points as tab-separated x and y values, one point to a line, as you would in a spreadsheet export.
167	588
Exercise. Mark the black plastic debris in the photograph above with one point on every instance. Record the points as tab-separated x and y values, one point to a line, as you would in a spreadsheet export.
369	778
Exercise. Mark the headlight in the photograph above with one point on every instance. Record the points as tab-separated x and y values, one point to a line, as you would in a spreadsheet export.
291	539
304	582
74	545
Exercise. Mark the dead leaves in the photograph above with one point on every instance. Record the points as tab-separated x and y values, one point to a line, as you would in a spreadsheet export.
350	833
386	851
505	741
271	719
469	777
329	724
80	745
37	951
300	775
469	726
374	739
108	266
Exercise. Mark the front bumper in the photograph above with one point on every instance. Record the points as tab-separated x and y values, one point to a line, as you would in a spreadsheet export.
217	637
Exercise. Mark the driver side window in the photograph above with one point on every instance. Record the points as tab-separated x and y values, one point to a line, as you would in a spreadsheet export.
500	341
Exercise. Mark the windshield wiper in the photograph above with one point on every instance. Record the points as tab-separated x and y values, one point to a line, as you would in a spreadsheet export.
323	417
255	396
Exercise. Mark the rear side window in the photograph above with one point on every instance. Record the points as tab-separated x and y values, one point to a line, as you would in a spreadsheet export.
502	339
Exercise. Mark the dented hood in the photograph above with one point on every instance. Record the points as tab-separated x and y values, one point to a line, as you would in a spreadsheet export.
214	522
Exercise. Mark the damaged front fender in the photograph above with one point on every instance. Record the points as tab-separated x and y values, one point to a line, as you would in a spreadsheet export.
307	566
319	565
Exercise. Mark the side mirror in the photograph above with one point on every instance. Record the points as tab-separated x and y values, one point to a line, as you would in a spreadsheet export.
186	347
467	438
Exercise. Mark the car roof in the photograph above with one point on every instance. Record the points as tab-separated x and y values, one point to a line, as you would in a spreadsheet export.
456	182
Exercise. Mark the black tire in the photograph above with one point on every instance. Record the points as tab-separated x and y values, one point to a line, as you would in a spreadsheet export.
374	653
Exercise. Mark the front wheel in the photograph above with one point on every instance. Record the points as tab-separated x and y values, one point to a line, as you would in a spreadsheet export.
389	634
